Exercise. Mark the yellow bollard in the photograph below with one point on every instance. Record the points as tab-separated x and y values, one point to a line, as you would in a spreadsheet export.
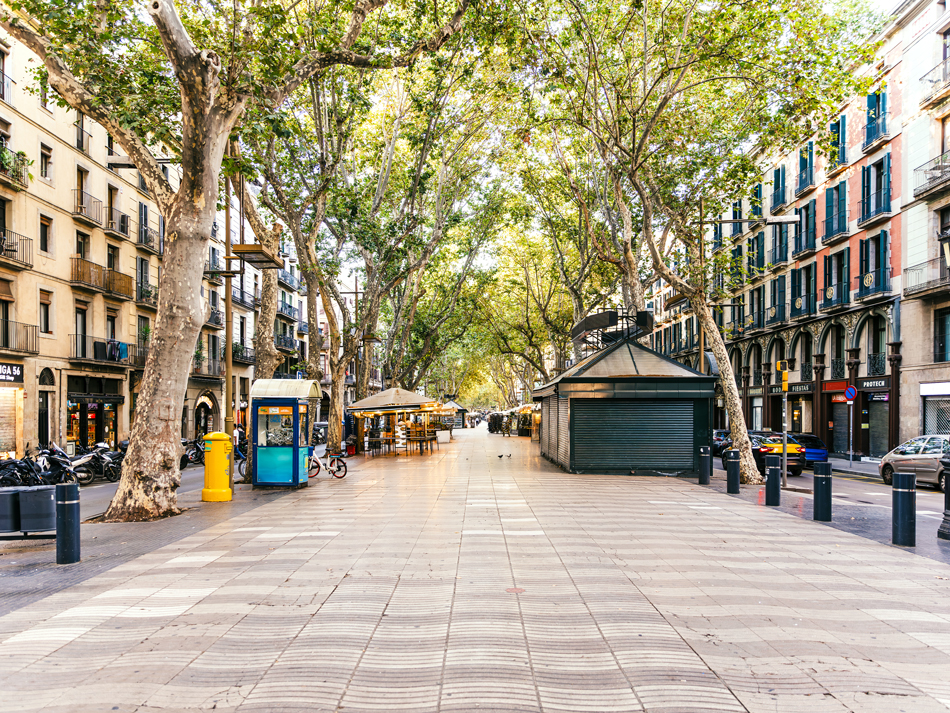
217	455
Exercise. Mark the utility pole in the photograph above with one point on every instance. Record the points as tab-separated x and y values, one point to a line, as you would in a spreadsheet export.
702	278
228	391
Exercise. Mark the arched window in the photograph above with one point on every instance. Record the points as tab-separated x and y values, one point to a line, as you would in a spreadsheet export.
47	378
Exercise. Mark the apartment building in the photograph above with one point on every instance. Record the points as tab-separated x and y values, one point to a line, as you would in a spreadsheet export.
825	293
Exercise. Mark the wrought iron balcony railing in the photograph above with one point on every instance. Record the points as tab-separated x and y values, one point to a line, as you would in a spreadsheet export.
804	242
242	353
778	199
806	180
87	207
837	369
148	238
877	364
878	203
836	295
207	367
803	306
932	175
16	248
118	222
287	278
242	297
84	346
935	82
286	310
146	294
805	372
875	130
14	167
775	315
926	276
874	282
778	255
836	227
19	337
285	341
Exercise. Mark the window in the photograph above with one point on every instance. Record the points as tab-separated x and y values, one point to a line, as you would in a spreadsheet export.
143	331
112	257
46	234
777	295
242	330
806	167
82	245
876	188
46	302
755	210
836	210
46	162
778	188
756	253
805	234
44	96
110	145
717	237
876	127
941	332
82	136
141	270
837	278
6	84
111	330
736	215
873	271
839	143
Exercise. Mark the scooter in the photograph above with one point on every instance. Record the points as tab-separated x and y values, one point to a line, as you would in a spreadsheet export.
94	463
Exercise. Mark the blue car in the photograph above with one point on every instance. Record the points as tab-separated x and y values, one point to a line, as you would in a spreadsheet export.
815	450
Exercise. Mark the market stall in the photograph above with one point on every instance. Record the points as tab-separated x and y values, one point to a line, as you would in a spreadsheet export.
394	421
280	430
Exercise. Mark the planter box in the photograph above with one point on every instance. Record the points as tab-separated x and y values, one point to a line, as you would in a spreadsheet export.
10	509
38	508
444	436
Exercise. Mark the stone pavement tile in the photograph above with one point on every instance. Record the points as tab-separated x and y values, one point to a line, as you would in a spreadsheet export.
790	703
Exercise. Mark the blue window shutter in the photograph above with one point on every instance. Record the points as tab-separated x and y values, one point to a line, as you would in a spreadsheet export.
783	177
811	156
872	107
886	198
882	250
842	140
882	111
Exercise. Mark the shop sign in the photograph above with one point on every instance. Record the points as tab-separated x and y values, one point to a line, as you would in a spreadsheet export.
11	372
834	386
839	399
879	397
875	383
755	391
95	398
792	389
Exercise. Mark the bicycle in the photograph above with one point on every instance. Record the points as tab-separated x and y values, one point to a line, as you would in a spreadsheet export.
335	466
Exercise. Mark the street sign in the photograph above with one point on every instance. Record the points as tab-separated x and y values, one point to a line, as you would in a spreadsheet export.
850	393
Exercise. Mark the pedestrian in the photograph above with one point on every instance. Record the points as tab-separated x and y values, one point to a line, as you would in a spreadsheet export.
237	435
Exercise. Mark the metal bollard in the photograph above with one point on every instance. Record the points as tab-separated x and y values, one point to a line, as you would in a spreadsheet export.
732	471
943	532
904	510
67	523
773	480
822	487
705	465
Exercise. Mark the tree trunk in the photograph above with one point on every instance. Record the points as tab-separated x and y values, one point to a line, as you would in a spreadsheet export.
150	474
314	370
335	415
268	358
748	471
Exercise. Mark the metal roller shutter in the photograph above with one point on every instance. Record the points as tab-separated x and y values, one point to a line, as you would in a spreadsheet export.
878	416
546	427
564	434
619	435
839	415
936	415
552	450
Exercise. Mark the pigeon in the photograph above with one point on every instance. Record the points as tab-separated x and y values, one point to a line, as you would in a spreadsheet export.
509	455
501	456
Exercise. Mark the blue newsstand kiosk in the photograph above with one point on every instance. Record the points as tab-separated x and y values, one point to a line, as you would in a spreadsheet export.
281	413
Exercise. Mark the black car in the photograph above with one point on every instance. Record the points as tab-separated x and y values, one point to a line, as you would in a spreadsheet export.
719	441
771	444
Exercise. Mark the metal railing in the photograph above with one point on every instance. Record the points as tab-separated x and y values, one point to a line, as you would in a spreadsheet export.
215	317
303	328
737	227
778	255
754	320
757	377
836	295
932	174
804	242
805	372
120	284
242	297
806	180
148	238
84	346
878	203
146	293
877	364
207	367
19	337
88	273
778	199
242	353
287	278
926	276
286	310
874	282
836	226
87	206
803	306
875	129
285	341
118	222
775	314
14	166
935	80
139	355
16	247
837	369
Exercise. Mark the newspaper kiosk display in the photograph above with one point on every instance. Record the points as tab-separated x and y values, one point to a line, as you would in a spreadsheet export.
281	411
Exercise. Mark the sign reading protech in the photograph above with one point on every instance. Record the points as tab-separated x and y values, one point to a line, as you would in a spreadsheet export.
884	383
11	372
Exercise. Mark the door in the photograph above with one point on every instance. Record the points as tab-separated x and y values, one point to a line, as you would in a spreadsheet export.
879	416
632	436
904	459
929	459
43	419
839	415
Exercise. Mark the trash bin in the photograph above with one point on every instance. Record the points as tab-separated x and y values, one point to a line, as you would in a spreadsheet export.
217	457
10	509
38	508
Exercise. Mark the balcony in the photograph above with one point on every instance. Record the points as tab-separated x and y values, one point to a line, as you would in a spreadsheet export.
837	369
83	347
303	328
19	337
757	377
736	227
754	320
778	200
14	169
778	256
874	283
926	278
775	315
935	85
806	181
806	373
836	296
83	139
287	311
16	251
877	364
207	369
875	133
933	177
211	273
242	354
243	298
804	244
836	228
88	275
86	208
836	164
803	306
117	224
875	207
138	355
148	239
146	295
287	279
214	318
119	285
285	342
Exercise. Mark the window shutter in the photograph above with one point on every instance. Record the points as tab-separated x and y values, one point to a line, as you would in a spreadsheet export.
812	209
781	290
872	106
882	110
863	257
813	276
760	258
881	258
829	209
811	156
886	198
842	140
827	271
835	132
796	283
846	270
843	205
783	177
865	190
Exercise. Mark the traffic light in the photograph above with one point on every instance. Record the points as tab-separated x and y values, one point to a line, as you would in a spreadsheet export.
782	366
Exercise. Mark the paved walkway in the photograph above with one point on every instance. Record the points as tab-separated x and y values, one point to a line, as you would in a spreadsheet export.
399	588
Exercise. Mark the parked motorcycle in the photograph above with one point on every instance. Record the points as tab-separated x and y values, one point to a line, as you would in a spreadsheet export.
95	462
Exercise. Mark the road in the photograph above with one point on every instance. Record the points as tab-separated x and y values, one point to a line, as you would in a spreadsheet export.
95	498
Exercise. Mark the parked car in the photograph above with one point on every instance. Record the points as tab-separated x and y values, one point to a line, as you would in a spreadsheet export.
719	441
925	456
815	449
771	445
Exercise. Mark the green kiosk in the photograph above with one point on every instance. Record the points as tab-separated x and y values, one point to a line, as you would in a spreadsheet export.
282	411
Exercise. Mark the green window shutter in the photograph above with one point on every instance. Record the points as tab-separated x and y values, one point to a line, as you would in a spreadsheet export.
811	156
863	257
829	209
842	140
781	290
886	198
872	107
812	210
865	190
882	111
782	172
827	271
796	283
881	257
846	270
843	205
